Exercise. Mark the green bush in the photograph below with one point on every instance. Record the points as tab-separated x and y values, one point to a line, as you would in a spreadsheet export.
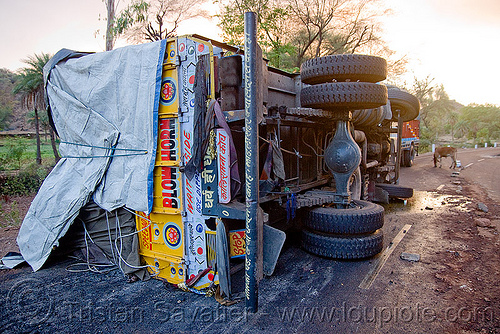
14	152
26	182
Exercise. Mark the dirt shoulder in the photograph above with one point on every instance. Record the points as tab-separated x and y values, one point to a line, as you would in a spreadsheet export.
457	276
13	209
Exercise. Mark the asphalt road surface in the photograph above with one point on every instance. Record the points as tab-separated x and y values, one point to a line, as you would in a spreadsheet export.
480	166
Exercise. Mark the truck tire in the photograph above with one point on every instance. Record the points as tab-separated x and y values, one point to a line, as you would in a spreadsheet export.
396	190
344	96
366	217
342	68
408	157
343	247
407	104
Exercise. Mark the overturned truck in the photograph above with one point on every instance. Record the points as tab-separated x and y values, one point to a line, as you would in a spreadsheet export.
155	135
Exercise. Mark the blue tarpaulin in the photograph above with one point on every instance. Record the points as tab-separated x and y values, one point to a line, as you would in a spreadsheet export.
104	108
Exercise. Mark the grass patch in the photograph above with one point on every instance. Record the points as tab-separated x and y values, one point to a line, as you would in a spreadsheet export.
10	214
9	160
19	173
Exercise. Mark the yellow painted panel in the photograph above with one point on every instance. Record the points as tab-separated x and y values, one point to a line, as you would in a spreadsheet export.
173	271
167	235
169	91
144	228
171	52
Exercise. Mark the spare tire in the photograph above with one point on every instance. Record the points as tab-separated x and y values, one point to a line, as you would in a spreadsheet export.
348	67
407	104
344	96
395	190
343	247
365	217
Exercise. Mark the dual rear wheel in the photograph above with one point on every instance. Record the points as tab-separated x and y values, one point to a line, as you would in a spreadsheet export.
342	83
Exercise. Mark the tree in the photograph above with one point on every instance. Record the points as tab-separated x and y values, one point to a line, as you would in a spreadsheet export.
7	99
153	20
273	21
335	26
423	90
300	29
452	119
438	113
110	38
30	86
483	121
461	127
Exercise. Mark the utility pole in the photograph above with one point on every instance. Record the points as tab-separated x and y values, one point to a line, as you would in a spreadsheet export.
251	164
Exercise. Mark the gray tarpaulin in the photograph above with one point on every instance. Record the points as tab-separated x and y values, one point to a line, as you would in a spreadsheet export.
104	107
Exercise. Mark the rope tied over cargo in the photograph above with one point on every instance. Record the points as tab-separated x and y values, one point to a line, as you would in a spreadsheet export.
113	149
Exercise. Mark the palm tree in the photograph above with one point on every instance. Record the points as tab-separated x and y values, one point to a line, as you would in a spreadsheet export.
462	127
30	85
452	118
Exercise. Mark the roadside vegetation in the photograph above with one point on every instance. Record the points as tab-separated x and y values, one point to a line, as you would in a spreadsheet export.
20	175
24	162
444	121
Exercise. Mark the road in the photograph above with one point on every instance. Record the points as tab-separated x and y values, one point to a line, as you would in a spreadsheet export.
453	288
482	167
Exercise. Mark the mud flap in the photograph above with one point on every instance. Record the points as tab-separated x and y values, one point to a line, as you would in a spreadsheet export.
222	259
381	196
273	242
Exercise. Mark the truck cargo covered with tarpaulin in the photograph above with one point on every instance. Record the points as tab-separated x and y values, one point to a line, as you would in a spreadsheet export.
104	108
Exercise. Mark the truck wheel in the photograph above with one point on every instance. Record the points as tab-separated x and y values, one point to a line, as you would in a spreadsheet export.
343	247
365	217
395	190
344	95
403	159
342	68
407	104
408	157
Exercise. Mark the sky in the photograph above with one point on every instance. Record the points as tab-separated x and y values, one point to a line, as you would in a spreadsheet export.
455	42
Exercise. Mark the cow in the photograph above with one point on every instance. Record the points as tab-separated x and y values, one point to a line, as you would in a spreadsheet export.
445	152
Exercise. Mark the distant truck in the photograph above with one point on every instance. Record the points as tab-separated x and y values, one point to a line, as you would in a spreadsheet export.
410	142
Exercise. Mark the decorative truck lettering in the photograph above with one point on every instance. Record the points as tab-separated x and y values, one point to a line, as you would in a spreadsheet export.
222	141
145	228
168	140
186	152
187	146
170	187
189	196
193	220
236	243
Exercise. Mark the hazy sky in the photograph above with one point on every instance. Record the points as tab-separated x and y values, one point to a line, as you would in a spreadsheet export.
457	42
